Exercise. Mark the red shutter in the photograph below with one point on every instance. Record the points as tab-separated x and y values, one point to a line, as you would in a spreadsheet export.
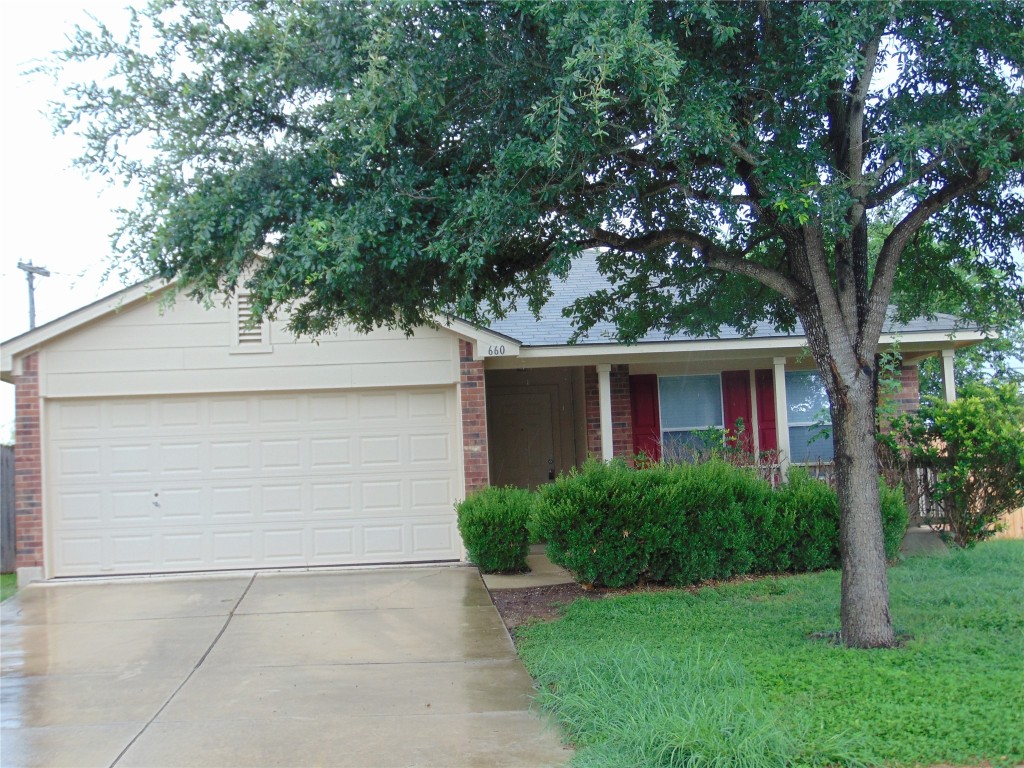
767	436
736	400
643	398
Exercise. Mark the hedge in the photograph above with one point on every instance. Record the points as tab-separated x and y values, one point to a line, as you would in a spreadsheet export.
615	526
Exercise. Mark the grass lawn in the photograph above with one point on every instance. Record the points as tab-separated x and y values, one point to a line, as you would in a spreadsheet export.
729	676
8	585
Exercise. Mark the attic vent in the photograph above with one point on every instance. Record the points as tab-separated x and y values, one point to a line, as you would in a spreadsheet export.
247	333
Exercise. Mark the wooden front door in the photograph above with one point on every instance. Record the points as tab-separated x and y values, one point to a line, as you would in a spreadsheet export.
520	434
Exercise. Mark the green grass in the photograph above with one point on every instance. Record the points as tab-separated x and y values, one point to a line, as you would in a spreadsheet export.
8	585
729	676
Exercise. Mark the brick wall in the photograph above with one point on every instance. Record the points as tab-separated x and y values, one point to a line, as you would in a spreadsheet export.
592	411
908	399
622	414
28	475
474	418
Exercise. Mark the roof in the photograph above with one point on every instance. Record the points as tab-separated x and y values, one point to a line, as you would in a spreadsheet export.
554	329
516	334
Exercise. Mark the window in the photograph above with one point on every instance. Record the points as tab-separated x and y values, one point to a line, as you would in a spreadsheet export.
810	423
688	404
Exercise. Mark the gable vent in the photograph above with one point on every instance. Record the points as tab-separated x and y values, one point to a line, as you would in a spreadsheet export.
247	334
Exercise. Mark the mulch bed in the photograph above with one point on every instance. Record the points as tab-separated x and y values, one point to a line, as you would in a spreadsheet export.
521	606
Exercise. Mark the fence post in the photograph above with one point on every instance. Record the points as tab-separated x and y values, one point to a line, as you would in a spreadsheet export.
7	535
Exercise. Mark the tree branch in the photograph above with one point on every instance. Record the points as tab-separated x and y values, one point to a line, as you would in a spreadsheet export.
892	250
851	252
714	256
692	194
886	193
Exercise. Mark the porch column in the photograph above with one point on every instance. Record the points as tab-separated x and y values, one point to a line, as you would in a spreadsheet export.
781	413
948	380
604	398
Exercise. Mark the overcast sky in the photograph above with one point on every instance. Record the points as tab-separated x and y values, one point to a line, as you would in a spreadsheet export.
51	213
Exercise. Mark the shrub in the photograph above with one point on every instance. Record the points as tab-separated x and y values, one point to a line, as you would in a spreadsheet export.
975	445
708	533
813	508
895	519
772	525
495	527
614	526
681	524
600	522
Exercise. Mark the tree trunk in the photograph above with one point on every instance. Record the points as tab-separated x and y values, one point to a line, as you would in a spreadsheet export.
864	611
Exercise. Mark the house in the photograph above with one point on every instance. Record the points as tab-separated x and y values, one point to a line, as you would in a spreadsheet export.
157	438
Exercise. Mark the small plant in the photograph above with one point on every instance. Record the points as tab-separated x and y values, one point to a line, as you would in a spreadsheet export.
975	445
495	524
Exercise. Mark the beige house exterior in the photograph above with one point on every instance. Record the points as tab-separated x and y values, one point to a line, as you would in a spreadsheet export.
158	437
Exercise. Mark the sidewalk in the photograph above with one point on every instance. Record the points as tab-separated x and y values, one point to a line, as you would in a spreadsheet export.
543	573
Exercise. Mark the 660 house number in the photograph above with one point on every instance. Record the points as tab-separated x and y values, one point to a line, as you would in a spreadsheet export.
496	349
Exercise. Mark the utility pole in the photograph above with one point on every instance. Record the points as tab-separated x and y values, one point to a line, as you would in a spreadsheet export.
31	272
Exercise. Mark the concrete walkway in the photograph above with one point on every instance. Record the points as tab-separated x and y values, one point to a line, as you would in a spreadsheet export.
396	667
543	573
923	540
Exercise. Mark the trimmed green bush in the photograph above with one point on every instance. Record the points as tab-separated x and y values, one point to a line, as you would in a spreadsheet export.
615	526
895	519
600	523
495	527
814	510
709	535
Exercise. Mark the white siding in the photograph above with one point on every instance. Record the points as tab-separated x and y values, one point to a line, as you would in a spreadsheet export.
185	348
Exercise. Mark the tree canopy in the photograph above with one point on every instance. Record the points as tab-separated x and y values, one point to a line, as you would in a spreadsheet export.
406	159
382	163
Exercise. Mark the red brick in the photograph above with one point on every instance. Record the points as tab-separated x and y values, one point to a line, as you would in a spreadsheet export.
622	415
28	477
473	401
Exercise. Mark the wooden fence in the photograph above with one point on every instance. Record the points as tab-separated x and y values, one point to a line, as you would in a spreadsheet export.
6	508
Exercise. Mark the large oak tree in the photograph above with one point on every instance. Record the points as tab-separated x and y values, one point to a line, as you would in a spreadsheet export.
382	163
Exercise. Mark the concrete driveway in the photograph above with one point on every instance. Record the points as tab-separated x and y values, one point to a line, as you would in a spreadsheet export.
390	667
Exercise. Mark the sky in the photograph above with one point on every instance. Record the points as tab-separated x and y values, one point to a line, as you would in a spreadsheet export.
51	213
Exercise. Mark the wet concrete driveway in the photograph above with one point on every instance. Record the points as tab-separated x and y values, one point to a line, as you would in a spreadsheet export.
391	667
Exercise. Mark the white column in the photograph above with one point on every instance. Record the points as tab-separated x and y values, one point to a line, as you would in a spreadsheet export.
604	398
781	413
948	380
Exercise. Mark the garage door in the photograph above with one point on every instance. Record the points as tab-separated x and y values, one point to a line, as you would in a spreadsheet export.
241	481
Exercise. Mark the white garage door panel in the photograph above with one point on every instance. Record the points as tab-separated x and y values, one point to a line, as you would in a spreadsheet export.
222	482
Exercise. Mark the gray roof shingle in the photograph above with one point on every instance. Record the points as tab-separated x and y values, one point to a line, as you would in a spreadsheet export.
552	329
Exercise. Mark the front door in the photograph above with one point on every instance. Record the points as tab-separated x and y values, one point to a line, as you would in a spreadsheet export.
521	436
